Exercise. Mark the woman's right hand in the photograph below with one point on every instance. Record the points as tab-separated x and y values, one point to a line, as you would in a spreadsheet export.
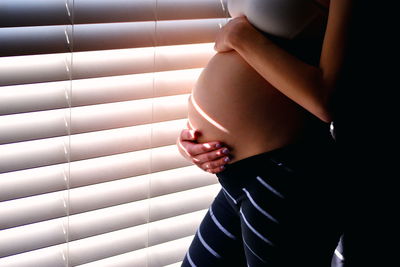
210	156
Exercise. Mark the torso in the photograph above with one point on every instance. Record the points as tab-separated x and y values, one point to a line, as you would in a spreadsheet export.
233	104
242	109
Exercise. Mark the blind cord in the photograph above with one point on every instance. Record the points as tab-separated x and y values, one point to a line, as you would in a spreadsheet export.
70	6
151	128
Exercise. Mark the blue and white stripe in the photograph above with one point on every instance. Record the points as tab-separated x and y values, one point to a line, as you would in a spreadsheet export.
213	252
255	254
219	225
252	201
190	260
229	195
270	188
254	230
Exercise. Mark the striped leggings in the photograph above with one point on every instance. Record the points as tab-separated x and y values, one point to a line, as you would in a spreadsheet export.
274	209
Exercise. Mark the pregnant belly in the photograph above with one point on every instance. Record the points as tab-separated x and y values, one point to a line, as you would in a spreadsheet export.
233	104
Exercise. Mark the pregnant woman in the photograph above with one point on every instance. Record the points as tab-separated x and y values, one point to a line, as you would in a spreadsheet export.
261	96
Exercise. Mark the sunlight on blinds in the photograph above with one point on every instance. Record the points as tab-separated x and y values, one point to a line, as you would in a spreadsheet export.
93	95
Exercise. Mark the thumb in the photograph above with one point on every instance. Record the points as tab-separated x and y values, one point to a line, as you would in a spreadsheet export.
189	135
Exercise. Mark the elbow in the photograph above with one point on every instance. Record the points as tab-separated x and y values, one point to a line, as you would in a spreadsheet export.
323	101
325	116
319	109
323	110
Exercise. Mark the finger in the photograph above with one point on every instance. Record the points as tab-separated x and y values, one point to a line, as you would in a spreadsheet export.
182	149
189	135
203	150
216	170
215	164
211	156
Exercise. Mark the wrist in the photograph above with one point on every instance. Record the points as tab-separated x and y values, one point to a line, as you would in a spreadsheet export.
245	36
237	34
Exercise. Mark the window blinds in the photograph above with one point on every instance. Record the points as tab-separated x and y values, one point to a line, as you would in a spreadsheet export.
93	95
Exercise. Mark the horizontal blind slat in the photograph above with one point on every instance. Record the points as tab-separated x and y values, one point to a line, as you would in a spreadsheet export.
53	95
177	264
102	221
169	252
105	168
107	220
44	152
140	60
39	12
123	140
129	113
34	40
94	64
95	147
105	227
54	12
115	192
32	154
22	211
133	87
33	126
33	97
46	124
107	245
179	203
86	172
37	68
97	220
136	211
33	236
25	211
130	239
179	179
159	255
159	231
55	256
184	9
89	37
50	256
40	180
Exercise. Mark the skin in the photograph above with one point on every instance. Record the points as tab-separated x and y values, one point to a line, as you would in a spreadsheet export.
309	86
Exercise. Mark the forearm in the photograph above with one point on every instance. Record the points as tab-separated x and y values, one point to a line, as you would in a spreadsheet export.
309	86
302	83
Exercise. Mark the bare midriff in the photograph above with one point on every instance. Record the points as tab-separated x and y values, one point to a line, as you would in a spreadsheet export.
233	104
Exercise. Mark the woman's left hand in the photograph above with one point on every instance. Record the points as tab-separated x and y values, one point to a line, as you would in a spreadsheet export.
232	33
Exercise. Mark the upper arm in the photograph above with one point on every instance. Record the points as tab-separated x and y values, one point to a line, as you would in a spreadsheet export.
335	41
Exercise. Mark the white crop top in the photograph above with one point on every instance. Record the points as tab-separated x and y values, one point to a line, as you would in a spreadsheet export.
283	18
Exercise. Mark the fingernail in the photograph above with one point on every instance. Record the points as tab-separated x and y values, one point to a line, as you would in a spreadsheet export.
222	168
227	159
207	146
218	146
225	151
